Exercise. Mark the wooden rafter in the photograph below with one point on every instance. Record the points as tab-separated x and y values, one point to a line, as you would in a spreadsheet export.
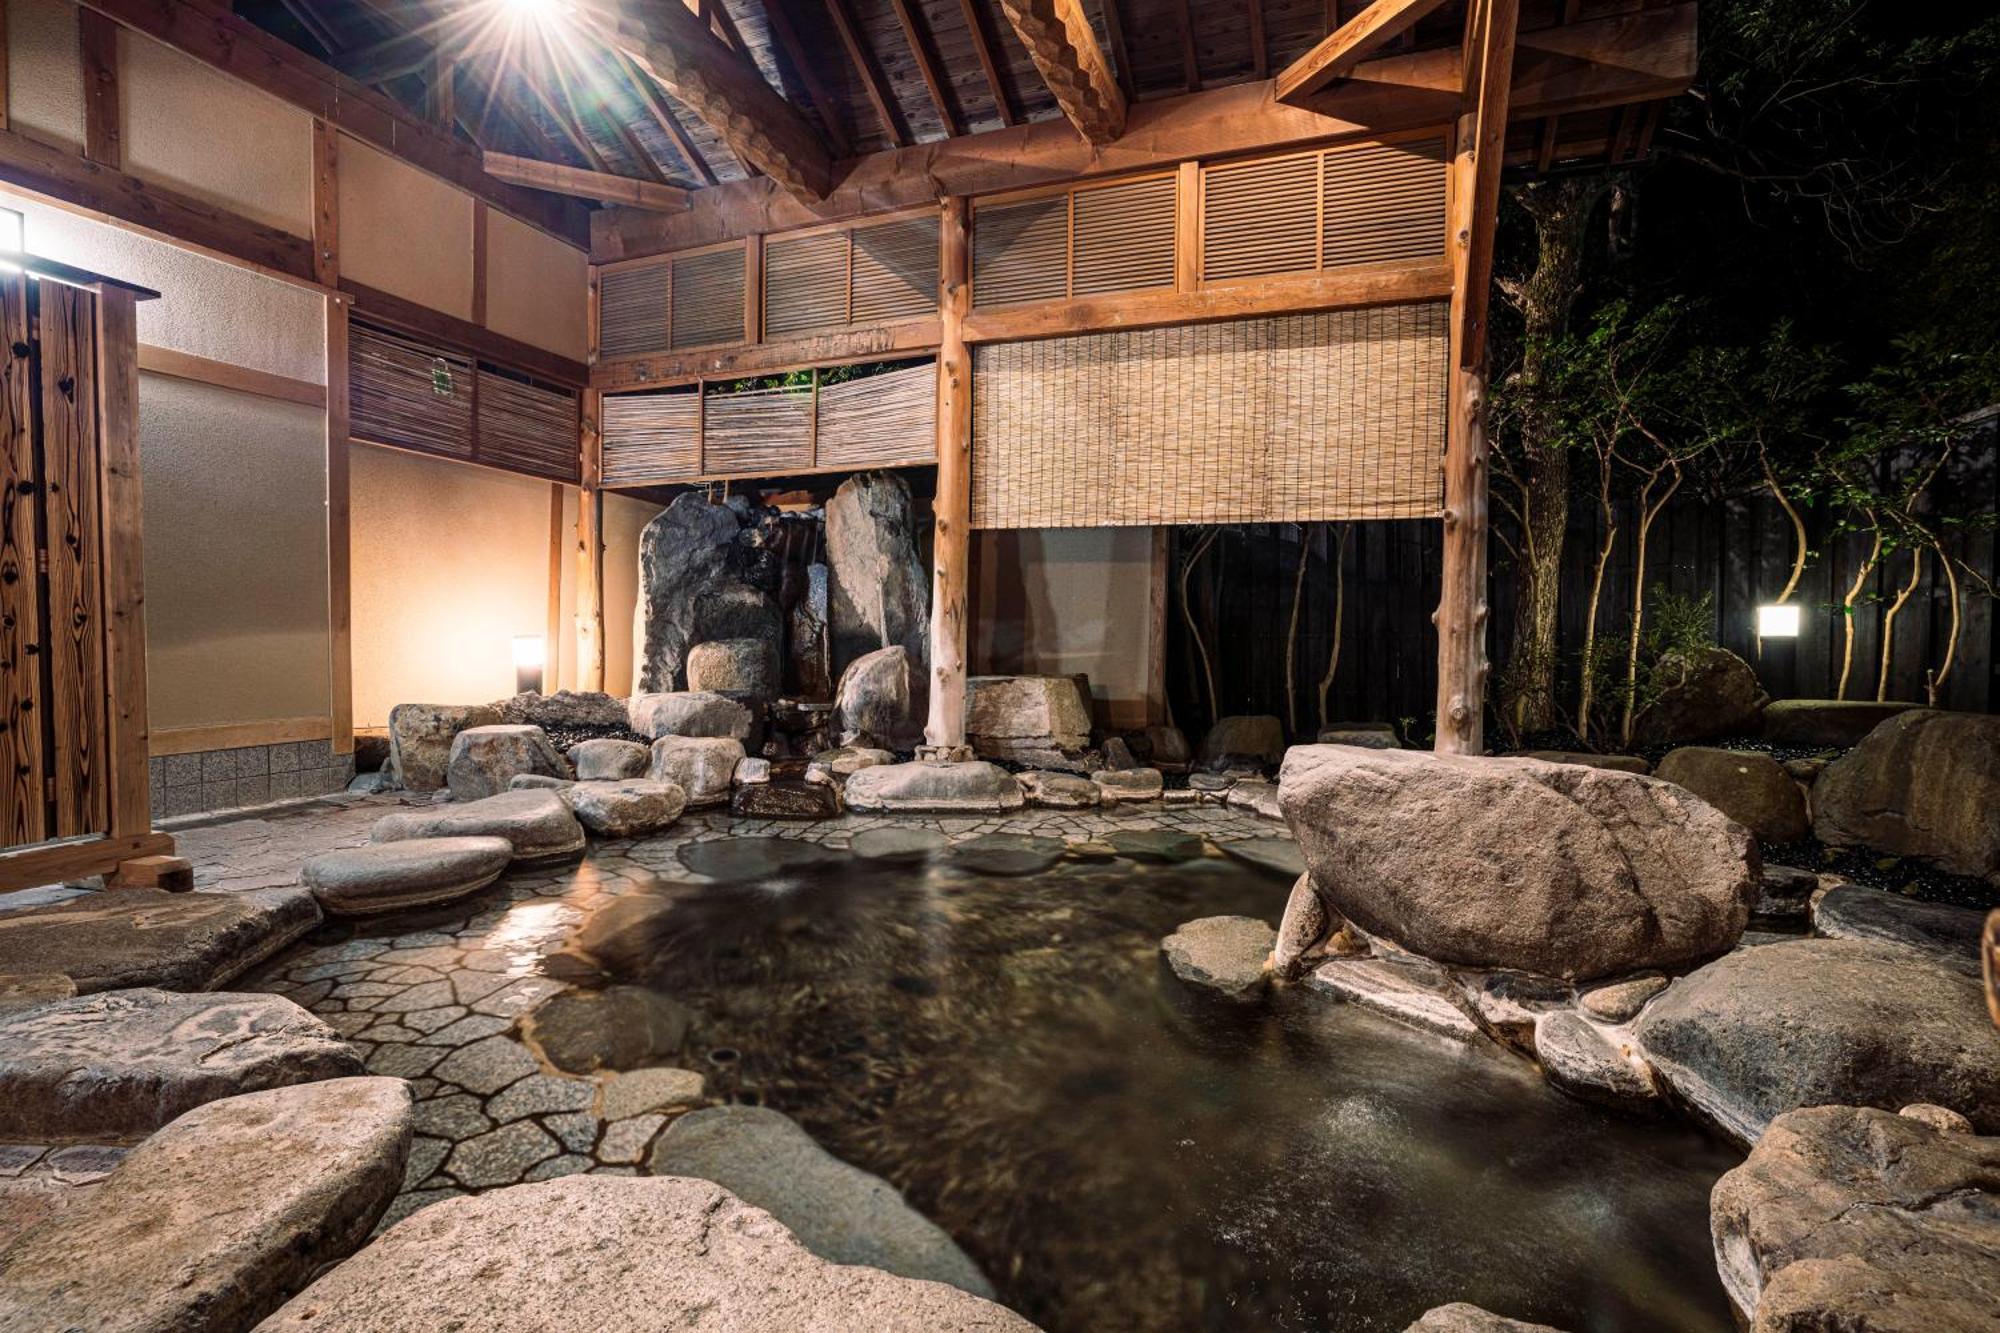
561	179
441	90
728	92
1348	45
778	18
1260	50
1114	28
1064	48
927	66
663	115
982	48
1489	76
1190	58
308	16
880	96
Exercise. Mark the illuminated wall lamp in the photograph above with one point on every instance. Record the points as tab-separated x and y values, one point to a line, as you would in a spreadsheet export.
1778	622
529	656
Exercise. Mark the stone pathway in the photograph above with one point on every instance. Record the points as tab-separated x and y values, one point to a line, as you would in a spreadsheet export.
436	998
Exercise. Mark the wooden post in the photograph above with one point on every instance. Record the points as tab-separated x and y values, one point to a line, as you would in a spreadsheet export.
590	550
124	598
951	548
339	567
97	43
1475	200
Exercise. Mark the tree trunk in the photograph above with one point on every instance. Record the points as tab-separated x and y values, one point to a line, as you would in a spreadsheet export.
1561	209
1889	622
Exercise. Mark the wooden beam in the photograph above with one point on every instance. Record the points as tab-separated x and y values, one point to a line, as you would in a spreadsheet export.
480	226
726	90
1064	48
590	550
1337	54
237	735
38	167
1639	56
663	116
560	179
52	863
121	508
951	540
982	48
843	347
227	375
1114	28
887	109
927	66
441	91
1260	49
1190	58
208	31
97	43
1489	81
385	308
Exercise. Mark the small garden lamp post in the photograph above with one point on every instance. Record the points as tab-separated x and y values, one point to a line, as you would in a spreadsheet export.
529	651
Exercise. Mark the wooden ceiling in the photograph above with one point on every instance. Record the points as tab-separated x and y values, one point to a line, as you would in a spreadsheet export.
865	75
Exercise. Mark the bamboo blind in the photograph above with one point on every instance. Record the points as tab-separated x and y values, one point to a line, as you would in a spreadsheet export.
526	428
1300	418
410	394
886	420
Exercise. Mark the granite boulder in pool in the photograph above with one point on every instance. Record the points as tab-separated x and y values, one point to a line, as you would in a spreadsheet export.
537	824
391	876
617	1255
971	787
631	808
123	1063
149	937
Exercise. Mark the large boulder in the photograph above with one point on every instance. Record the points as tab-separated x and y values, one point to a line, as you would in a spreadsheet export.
881	700
565	710
1700	693
211	1223
393	876
838	1211
1027	718
690	713
485	759
1926	784
1459	1317
1948	935
1848	1218
1826	724
1550	868
931	788
537	824
737	666
420	739
121	1064
1258	737
701	766
705	572
1748	786
621	1256
150	937
880	594
809	637
609	760
1821	1022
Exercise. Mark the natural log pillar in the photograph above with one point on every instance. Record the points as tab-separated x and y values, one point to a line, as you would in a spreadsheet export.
951	549
1461	613
590	550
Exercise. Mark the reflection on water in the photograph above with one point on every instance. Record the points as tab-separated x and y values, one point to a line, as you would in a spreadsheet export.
1117	1155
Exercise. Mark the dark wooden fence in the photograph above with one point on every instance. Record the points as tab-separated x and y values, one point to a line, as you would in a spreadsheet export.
1737	552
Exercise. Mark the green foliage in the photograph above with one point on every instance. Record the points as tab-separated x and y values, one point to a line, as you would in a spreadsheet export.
1677	625
803	379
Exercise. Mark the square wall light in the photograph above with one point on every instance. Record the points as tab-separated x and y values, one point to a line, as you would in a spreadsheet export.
1778	622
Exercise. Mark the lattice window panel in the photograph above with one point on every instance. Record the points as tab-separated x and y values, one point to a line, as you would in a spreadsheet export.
1298	418
706	307
1306	212
632	310
856	275
1081	242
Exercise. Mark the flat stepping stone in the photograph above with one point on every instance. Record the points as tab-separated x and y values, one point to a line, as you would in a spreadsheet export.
121	1064
898	845
734	860
537	824
973	787
1276	856
1008	854
121	938
598	760
1949	935
838	1211
642	1090
1059	791
1092	849
33	990
1159	846
618	1254
213	1221
628	808
392	876
1224	955
1118	785
787	799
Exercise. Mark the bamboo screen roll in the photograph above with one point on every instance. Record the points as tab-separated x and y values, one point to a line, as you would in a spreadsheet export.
1299	418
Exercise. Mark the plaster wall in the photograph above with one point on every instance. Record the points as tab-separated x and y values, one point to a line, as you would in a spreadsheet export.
1054	601
403	231
537	288
235	555
45	76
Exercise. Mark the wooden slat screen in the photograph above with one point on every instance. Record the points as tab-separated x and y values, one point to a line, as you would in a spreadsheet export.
651	437
632	311
527	428
1383	202
805	284
1124	237
394	393
895	270
887	420
1020	252
1260	217
765	431
707	304
1298	418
